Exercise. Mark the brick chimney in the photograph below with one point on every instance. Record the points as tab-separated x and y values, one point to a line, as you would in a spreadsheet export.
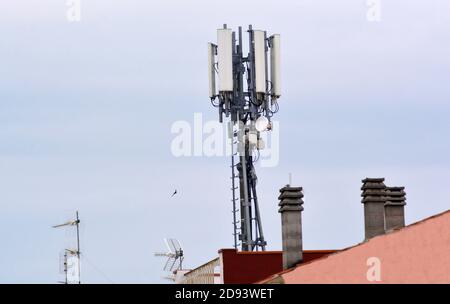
374	200
394	208
291	225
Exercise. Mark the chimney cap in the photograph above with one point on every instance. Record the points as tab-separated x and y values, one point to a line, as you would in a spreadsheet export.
395	188
289	188
290	207
290	199
373	192
373	180
373	185
391	203
373	199
291	195
395	194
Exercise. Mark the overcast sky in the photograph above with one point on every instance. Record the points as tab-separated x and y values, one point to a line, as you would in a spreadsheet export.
86	110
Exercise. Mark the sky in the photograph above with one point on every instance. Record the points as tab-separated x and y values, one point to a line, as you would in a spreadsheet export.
86	110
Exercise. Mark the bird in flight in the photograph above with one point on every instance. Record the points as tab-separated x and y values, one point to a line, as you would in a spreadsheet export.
175	192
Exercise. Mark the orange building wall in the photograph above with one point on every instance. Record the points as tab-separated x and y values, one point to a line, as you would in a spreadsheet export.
419	253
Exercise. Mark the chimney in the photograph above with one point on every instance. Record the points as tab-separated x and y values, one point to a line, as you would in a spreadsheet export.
291	225
394	208
373	199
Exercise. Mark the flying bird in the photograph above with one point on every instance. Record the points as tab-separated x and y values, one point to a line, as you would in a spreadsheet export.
175	192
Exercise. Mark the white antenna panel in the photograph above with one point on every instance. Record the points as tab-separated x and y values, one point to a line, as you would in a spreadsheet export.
260	61
212	70
275	63
225	59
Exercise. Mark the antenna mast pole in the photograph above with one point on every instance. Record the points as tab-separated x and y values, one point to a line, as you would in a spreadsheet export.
78	249
66	281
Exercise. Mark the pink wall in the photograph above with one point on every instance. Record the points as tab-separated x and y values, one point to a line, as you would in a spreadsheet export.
419	253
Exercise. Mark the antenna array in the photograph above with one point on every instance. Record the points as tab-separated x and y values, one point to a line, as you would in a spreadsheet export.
245	89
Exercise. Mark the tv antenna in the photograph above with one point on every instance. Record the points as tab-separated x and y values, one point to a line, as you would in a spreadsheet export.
247	93
71	257
175	255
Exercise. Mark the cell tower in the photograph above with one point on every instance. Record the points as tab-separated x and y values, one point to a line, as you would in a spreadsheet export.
71	257
247	93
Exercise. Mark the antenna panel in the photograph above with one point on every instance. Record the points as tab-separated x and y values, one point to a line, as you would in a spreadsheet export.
275	62
260	61
212	70
225	59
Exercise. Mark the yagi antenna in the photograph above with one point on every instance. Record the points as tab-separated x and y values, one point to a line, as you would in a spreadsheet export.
175	255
